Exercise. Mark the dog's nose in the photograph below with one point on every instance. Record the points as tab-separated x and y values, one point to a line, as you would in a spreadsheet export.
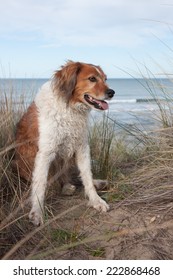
110	93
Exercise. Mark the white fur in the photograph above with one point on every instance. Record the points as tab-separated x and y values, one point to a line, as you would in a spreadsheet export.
63	130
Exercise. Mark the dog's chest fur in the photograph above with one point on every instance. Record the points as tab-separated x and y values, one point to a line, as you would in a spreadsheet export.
62	129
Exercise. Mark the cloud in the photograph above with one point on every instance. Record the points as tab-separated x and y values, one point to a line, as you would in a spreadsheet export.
85	23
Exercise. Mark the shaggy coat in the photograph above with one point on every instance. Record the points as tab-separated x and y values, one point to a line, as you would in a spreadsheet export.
54	129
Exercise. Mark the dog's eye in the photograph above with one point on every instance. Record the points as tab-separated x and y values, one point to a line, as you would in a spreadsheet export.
92	79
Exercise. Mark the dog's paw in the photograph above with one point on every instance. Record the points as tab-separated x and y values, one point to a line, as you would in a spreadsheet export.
99	204
36	217
100	184
68	189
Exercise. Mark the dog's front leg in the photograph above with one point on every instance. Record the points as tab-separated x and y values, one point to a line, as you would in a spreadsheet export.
84	165
38	186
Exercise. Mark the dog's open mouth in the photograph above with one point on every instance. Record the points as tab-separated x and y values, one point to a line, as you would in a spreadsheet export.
98	104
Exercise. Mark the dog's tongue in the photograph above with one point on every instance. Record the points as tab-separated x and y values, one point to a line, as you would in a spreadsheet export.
100	104
104	105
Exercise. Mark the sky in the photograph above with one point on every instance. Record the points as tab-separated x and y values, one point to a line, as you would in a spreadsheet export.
127	38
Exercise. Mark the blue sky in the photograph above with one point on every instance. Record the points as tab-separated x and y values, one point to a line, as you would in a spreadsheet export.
122	36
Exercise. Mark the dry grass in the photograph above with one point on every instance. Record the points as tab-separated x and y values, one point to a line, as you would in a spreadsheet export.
140	193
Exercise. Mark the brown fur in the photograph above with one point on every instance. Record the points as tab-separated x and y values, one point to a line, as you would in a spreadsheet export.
64	80
26	142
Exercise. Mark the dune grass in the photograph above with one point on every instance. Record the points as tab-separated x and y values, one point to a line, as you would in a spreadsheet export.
138	174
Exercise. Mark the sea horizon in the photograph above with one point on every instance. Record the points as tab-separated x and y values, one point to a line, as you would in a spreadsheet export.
135	100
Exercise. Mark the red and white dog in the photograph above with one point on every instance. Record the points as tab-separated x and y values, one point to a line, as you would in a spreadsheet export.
54	128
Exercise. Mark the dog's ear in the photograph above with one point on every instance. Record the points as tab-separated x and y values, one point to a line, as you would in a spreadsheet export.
64	80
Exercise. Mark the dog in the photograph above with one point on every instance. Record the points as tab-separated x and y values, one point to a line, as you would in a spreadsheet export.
54	130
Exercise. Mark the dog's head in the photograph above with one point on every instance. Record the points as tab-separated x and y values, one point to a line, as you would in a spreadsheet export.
84	84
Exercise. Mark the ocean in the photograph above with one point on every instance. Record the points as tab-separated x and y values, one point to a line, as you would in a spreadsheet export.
135	102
